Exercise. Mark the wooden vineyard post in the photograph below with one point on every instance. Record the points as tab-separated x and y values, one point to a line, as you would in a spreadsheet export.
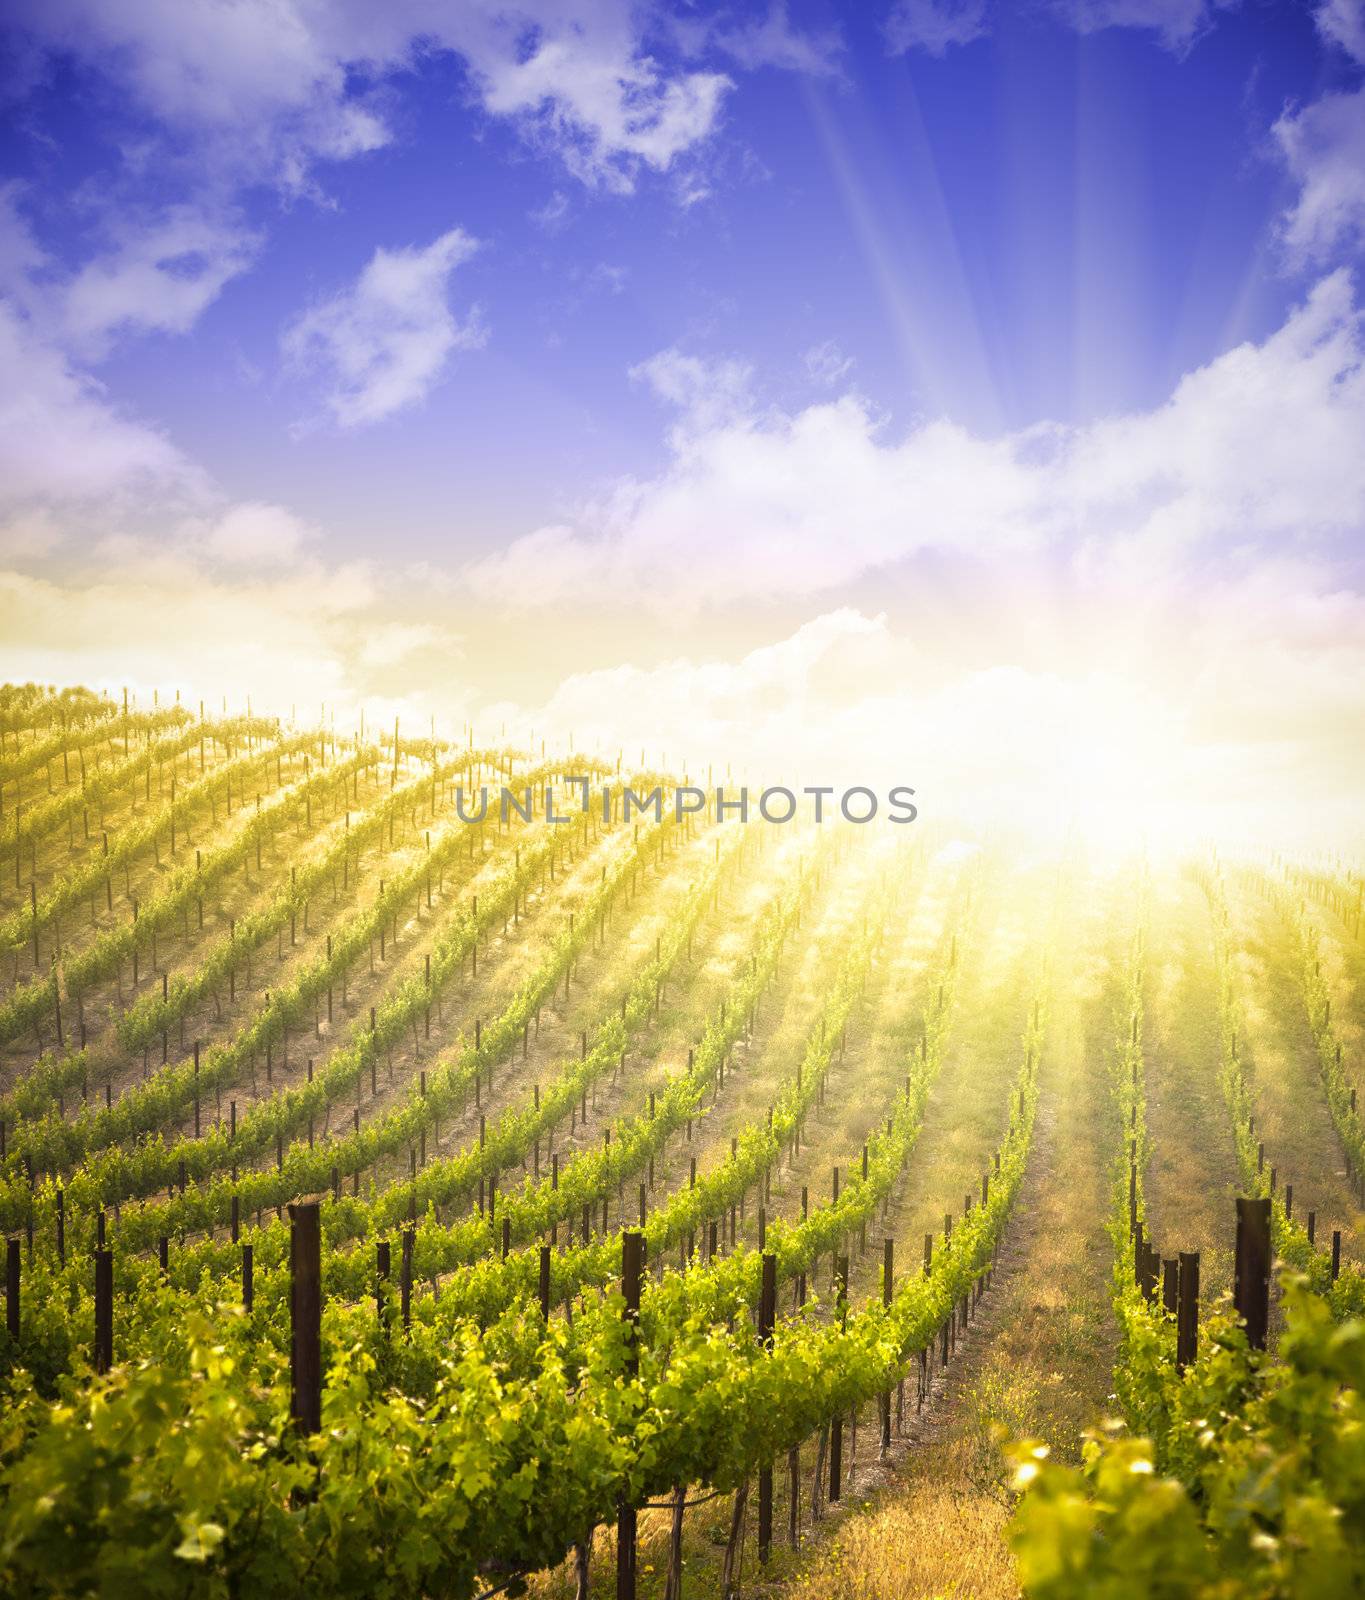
767	1321
794	1454
12	1258
104	1309
1148	1262
248	1279
1132	1188
305	1314
1251	1289
545	1282
405	1279
945	1332
632	1268
888	1267
1187	1310
383	1265
836	1428
924	1354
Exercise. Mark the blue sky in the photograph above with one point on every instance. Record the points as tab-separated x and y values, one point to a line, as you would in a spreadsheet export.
692	325
1068	223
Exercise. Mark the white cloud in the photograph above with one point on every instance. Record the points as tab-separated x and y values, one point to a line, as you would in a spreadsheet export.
582	86
254	534
1178	23
271	87
28	535
1343	22
395	642
160	277
148	616
1156	619
1258	448
938	25
772	41
1323	146
63	442
706	393
1220	714
154	272
241	600
383	343
22	258
934	25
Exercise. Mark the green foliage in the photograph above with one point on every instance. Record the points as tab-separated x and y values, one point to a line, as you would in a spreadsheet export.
1288	1236
1261	1495
464	1453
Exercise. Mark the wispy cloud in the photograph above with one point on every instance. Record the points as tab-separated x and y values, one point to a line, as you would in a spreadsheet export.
273	88
380	345
934	25
582	87
1177	23
1343	22
1323	148
772	40
149	271
65	445
826	363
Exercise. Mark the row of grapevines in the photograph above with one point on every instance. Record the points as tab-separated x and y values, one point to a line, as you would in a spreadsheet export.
1346	1116
481	1474
82	882
1261	1495
1235	1480
49	815
53	1074
53	1144
195	1267
111	1172
486	1286
509	1140
154	1012
1343	895
81	727
797	1246
1288	1235
31	707
1146	1379
301	1169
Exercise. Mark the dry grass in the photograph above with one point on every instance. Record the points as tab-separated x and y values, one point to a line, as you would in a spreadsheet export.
1036	1362
934	1540
1192	1177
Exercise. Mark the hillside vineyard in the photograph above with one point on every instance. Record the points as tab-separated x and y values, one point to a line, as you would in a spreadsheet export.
398	1204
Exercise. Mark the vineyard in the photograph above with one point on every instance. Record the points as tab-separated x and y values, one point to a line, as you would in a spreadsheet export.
409	1198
